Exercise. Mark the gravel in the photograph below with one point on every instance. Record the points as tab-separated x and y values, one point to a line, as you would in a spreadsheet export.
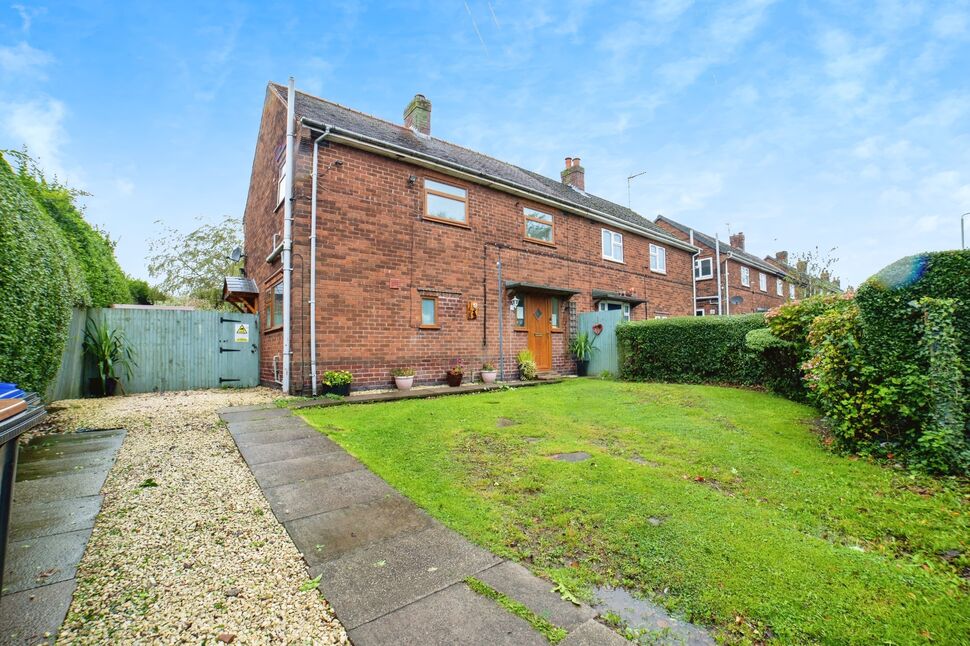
198	558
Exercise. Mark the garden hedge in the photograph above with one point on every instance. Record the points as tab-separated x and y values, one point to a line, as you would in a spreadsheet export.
690	349
40	282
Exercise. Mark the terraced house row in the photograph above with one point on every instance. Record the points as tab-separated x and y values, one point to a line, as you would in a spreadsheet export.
372	245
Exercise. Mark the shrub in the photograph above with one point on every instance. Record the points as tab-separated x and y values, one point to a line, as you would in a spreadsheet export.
527	365
39	283
777	362
337	378
402	372
144	294
689	349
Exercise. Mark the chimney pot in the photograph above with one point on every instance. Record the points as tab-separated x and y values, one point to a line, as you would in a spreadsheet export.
417	115
737	241
574	175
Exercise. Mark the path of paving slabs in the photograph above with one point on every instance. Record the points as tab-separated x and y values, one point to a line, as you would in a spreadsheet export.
55	500
392	573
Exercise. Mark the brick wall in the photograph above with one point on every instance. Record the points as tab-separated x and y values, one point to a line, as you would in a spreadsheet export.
377	256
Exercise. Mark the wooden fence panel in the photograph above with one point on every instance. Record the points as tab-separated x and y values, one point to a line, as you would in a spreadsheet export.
606	356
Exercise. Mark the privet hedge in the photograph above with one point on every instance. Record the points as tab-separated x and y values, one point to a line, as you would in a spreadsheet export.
690	349
40	281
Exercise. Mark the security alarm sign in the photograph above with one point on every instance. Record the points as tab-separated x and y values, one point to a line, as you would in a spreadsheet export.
242	333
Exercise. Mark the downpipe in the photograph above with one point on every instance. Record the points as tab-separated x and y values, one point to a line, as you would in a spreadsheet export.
313	262
288	234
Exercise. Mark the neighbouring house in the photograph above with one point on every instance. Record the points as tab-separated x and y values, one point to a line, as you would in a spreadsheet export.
423	246
741	284
804	283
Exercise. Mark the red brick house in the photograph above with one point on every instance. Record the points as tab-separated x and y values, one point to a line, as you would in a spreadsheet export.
747	283
421	247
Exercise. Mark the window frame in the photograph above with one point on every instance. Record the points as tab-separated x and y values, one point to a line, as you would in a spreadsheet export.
697	264
661	254
550	223
625	308
280	182
463	200
613	237
700	311
437	320
791	291
270	309
745	277
554	309
763	281
779	287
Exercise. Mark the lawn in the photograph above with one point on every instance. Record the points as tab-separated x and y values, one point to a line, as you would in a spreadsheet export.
720	504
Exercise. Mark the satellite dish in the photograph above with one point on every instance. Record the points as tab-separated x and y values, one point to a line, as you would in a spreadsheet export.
737	300
236	254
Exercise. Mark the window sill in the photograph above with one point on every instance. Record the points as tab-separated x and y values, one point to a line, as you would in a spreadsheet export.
657	271
704	277
520	329
429	327
539	242
619	262
273	330
278	205
557	330
454	223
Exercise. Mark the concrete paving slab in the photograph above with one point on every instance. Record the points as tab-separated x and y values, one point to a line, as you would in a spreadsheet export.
61	446
323	537
301	499
265	425
82	483
274	436
593	633
516	582
244	409
34	469
455	615
302	469
43	560
25	617
250	415
370	582
316	445
577	456
35	519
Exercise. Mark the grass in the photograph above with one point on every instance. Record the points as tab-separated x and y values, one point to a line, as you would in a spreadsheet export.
553	634
720	504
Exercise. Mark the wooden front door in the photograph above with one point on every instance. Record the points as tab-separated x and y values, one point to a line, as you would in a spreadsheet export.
538	322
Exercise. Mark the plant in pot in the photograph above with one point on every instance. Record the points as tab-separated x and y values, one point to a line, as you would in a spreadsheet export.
337	382
527	365
111	353
455	373
403	378
582	348
489	373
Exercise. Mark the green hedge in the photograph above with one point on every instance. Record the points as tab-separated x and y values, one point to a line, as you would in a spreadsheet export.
40	281
690	349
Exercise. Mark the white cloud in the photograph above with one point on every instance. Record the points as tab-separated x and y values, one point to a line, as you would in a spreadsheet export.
124	186
40	126
952	24
22	59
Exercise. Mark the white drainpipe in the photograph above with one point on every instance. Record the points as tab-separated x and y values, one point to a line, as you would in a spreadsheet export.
313	265
288	233
717	260
693	273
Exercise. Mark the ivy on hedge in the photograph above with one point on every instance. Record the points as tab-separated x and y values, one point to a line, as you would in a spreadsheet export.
40	282
690	350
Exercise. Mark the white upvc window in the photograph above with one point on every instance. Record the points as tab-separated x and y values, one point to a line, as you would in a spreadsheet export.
779	287
281	182
703	268
658	259
699	312
762	282
612	245
612	306
746	277
791	291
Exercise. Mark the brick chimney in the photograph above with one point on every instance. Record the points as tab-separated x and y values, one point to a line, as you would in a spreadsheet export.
417	116
737	241
782	257
574	175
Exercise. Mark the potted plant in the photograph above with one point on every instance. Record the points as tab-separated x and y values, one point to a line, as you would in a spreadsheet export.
489	373
582	348
111	353
527	365
403	378
455	373
337	382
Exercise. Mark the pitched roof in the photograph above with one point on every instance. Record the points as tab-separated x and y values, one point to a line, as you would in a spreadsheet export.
739	254
355	124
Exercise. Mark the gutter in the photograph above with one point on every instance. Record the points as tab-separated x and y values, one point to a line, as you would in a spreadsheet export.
388	149
313	264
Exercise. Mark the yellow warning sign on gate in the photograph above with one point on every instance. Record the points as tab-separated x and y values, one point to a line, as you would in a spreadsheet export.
242	333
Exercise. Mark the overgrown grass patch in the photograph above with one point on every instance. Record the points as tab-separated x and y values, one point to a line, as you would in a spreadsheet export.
717	503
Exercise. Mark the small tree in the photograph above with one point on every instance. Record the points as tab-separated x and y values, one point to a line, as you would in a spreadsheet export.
815	268
194	264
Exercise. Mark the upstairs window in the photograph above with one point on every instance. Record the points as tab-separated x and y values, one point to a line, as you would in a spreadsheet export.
538	225
779	287
658	259
762	282
274	307
281	182
791	291
703	268
612	246
746	277
429	312
445	203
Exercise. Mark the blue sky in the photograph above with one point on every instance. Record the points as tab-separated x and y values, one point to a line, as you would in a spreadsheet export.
808	123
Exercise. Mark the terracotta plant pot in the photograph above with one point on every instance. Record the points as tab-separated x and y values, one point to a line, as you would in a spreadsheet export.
404	383
454	379
489	376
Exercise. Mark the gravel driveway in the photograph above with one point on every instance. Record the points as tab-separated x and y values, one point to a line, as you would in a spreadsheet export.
185	548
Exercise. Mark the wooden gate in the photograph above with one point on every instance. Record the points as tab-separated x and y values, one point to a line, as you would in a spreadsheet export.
605	357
